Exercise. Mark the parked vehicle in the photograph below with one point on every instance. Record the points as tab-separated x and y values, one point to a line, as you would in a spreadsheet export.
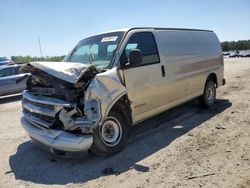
245	53
12	80
5	61
234	54
117	79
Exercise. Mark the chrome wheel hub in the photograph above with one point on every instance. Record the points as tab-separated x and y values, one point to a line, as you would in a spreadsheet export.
111	132
210	94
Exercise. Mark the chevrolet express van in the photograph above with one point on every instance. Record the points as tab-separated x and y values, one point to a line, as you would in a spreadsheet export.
114	80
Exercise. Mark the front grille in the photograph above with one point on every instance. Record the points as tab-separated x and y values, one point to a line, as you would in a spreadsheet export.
40	116
40	110
39	104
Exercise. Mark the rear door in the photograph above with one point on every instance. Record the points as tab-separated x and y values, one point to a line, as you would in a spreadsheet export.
145	81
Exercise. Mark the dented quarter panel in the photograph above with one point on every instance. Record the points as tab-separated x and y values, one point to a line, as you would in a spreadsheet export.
107	89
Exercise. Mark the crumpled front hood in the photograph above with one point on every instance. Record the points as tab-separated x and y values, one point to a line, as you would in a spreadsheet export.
67	71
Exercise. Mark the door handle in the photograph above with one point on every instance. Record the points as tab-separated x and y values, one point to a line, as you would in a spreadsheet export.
163	73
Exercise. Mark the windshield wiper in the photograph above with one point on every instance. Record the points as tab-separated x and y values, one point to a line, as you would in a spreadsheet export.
91	55
91	58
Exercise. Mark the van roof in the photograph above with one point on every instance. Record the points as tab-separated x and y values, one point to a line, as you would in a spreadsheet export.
148	28
157	28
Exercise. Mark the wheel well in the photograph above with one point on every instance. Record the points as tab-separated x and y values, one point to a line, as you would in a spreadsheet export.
213	77
123	107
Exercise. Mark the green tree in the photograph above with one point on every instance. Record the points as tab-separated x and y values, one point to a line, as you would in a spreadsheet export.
236	45
27	59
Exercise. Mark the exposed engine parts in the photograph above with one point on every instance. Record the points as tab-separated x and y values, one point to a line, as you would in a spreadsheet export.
82	114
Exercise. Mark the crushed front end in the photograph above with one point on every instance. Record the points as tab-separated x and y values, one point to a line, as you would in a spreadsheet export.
55	112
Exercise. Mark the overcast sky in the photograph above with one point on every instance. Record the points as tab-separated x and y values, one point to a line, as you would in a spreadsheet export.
62	23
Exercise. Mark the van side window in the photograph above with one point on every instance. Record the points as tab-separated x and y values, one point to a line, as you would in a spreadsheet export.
145	42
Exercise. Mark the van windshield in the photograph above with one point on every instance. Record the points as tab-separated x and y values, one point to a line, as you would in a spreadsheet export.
97	50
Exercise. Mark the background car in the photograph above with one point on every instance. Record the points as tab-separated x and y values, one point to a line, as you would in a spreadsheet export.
234	54
245	53
12	80
5	61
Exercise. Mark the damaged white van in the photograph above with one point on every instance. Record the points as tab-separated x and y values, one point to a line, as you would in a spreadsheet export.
113	80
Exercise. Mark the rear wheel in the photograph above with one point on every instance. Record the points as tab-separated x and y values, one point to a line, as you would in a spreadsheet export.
209	96
111	136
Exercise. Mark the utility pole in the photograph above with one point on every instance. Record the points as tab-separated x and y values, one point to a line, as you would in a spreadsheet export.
39	43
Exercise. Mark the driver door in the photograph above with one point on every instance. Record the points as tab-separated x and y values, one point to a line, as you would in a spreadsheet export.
145	81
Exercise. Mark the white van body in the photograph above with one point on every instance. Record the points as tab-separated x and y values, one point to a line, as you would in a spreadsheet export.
148	71
188	57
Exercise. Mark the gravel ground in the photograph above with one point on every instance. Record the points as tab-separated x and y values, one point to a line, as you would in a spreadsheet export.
184	147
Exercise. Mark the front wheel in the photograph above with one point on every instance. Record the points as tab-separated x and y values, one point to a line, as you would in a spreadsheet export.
111	136
209	96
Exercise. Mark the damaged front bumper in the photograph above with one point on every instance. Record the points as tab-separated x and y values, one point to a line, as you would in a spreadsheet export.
56	140
39	116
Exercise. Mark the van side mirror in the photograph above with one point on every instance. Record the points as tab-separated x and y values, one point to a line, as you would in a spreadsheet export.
134	59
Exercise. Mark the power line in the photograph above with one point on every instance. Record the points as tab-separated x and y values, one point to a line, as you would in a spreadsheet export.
39	43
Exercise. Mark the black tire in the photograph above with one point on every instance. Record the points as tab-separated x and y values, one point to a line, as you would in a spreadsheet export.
101	146
209	96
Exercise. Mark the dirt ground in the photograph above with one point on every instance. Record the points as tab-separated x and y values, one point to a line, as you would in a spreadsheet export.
185	147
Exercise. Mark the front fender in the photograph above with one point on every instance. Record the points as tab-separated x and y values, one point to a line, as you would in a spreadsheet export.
106	88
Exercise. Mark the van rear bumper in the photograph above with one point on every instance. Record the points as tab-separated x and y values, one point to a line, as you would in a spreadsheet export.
56	140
